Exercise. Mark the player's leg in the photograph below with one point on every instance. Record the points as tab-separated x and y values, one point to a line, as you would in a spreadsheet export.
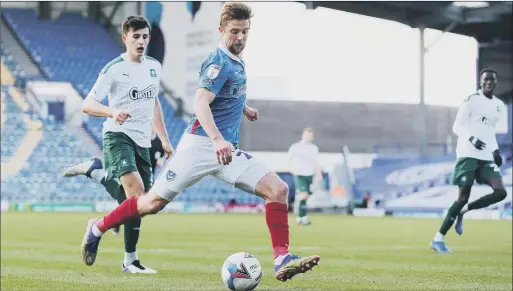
131	263
92	169
121	165
463	177
183	170
303	184
488	173
247	174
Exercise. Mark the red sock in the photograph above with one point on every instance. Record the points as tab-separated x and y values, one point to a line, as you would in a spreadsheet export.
277	218
122	213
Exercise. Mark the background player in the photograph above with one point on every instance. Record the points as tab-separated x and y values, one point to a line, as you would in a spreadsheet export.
478	157
131	82
303	158
208	148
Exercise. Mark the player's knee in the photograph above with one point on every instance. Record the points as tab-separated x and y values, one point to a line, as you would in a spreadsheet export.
280	192
464	194
463	199
151	204
303	195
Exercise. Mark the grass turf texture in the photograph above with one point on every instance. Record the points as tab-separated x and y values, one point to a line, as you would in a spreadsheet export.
41	251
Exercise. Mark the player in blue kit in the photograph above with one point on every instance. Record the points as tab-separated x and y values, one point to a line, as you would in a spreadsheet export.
209	146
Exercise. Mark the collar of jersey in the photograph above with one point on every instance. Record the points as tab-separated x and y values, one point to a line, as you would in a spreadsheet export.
126	58
228	53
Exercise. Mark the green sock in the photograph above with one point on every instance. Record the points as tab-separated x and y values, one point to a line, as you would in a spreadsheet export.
302	208
452	213
131	228
132	234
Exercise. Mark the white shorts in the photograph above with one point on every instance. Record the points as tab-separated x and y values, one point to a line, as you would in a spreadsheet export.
195	158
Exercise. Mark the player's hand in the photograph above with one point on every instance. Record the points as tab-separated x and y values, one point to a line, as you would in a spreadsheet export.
497	158
478	144
250	113
120	116
168	149
223	151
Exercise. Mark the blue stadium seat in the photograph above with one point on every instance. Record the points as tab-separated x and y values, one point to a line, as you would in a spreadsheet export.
64	57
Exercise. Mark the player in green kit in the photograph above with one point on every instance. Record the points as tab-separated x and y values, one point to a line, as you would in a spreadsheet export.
478	157
131	82
303	158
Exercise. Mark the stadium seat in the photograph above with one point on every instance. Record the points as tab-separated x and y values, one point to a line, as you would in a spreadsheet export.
63	57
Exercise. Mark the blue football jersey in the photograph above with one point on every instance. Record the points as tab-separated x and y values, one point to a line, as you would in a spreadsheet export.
224	74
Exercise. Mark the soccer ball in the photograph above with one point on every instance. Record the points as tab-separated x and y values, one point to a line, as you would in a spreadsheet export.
241	272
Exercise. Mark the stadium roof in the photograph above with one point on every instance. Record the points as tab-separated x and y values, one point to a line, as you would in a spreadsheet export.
486	21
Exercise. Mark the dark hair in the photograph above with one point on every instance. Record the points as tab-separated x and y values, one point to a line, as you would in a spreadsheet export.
134	23
235	11
487	70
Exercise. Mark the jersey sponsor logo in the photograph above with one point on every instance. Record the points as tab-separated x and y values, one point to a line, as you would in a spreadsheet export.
487	121
213	71
148	93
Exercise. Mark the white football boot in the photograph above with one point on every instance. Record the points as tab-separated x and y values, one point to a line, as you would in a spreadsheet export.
137	268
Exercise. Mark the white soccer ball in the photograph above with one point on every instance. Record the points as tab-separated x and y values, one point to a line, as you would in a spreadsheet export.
241	272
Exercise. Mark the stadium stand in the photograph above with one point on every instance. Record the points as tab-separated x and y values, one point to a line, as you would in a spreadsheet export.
53	147
65	58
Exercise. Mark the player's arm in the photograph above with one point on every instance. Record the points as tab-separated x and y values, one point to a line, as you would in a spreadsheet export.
92	105
319	166
497	158
290	157
461	128
212	79
202	110
160	128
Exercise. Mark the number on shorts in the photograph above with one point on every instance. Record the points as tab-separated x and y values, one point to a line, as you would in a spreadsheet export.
248	156
495	167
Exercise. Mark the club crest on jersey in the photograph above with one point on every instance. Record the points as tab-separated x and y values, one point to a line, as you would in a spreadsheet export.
213	71
153	74
148	93
170	176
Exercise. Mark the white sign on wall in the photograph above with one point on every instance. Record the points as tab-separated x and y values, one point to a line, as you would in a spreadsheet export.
188	40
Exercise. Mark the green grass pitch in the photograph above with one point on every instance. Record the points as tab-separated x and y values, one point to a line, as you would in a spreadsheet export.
41	251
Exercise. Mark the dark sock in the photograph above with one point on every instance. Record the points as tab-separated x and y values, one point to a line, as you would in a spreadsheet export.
132	234
452	213
131	227
302	208
487	200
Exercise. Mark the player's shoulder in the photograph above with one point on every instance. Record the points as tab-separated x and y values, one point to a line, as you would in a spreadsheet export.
294	145
153	62
112	65
217	57
473	95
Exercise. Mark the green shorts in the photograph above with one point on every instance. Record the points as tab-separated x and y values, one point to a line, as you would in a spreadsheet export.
469	169
122	155
303	184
